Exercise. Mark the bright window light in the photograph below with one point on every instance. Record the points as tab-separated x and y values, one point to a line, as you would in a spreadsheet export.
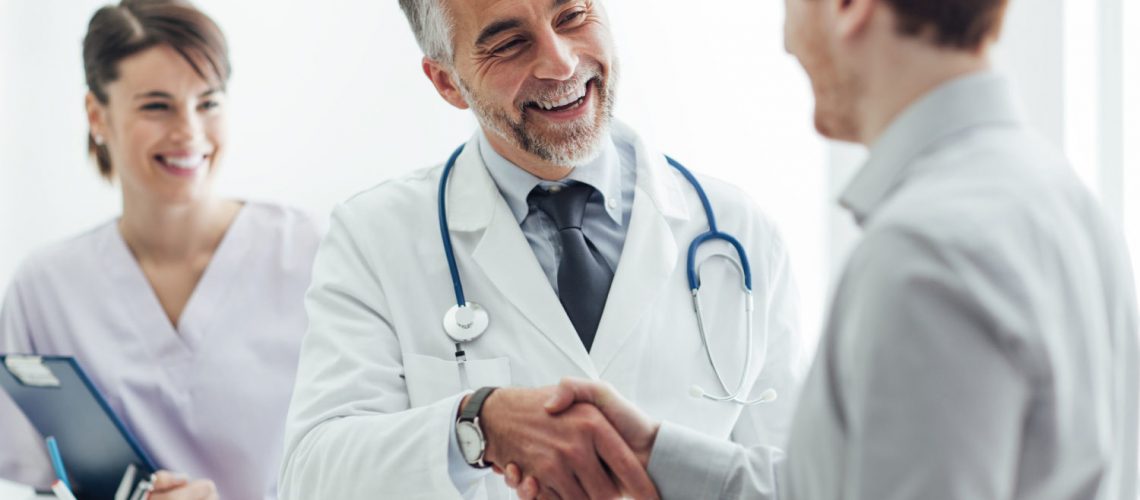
1081	86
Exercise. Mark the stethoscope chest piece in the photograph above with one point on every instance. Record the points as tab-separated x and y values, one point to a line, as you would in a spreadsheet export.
465	323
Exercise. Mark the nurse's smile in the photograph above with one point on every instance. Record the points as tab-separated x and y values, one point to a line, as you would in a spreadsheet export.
163	125
181	163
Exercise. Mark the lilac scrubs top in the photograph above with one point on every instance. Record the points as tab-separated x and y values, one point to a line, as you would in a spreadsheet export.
208	397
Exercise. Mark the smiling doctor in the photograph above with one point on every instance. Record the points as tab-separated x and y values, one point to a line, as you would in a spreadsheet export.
560	246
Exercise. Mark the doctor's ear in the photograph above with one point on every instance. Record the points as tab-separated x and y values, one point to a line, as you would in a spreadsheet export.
441	76
853	16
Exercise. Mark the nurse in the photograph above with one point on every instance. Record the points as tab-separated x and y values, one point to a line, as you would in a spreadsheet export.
187	309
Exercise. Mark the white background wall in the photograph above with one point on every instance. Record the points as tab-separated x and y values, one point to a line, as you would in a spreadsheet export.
327	99
1131	111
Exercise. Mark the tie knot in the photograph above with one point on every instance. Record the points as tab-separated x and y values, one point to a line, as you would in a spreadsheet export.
566	206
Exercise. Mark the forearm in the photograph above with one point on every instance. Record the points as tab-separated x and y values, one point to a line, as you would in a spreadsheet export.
402	454
687	464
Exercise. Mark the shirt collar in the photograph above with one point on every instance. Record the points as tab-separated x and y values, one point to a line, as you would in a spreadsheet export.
515	184
979	99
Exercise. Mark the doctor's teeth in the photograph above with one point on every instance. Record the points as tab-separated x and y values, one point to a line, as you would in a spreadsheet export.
550	106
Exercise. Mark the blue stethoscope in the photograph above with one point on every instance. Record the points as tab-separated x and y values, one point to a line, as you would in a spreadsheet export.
466	321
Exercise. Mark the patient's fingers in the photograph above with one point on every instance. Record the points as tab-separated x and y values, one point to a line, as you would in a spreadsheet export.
512	475
528	490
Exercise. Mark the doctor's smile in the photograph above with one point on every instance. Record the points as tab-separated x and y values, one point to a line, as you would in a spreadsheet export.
562	108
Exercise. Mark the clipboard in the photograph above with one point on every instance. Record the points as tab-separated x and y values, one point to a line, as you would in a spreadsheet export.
101	457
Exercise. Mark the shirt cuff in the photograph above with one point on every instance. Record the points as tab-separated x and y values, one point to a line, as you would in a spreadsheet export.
463	475
687	464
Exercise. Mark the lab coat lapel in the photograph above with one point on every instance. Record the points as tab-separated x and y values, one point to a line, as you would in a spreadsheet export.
501	252
649	257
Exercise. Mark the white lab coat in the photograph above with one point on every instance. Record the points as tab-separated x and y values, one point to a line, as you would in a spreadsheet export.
378	383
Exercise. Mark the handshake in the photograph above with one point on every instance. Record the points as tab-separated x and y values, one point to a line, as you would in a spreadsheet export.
579	439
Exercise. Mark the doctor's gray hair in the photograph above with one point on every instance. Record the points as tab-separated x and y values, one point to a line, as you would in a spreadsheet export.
431	23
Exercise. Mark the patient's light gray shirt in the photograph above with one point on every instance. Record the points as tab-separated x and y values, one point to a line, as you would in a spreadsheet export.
982	342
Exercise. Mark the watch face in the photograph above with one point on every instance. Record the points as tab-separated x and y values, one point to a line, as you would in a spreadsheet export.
470	441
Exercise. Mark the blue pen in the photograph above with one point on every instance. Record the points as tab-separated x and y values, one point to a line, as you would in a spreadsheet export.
57	461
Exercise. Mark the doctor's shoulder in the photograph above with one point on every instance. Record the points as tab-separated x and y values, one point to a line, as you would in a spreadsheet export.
406	201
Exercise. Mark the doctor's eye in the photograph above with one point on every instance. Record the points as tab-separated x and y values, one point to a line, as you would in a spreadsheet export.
208	105
574	17
155	106
508	48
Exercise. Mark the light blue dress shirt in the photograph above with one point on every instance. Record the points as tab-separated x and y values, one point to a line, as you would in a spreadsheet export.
613	174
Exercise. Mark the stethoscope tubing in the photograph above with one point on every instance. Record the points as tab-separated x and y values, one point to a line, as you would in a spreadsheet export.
692	273
445	230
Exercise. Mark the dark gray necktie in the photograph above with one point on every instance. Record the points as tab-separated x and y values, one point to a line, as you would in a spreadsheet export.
583	275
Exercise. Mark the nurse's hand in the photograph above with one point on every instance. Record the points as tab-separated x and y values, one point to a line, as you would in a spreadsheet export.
568	452
634	426
171	486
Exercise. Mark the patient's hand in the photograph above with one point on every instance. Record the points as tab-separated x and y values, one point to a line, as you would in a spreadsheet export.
171	486
634	427
576	453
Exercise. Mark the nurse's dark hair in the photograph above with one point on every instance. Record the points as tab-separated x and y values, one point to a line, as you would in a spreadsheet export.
961	24
117	32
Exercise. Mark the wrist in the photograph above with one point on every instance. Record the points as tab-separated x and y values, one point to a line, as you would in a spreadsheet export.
645	450
469	427
462	405
487	422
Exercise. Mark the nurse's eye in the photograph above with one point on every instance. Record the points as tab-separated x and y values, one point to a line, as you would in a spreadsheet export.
208	105
155	106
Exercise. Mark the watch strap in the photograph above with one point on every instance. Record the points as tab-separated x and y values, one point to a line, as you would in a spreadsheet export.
475	404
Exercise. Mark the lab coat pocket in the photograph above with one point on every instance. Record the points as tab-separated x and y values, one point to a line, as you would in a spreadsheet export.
430	379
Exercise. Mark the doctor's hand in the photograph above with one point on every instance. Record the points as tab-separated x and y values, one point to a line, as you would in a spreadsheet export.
575	454
634	426
171	486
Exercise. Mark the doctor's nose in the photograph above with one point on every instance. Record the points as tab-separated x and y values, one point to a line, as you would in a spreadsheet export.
556	59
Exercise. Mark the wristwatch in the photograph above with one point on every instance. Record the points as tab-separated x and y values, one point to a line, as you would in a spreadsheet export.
469	432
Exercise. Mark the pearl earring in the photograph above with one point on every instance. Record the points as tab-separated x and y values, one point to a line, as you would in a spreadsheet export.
98	140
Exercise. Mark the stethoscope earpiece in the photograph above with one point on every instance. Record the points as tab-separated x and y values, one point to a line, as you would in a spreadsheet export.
696	392
767	396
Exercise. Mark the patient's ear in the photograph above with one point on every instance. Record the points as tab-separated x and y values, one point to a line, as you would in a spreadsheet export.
853	16
445	83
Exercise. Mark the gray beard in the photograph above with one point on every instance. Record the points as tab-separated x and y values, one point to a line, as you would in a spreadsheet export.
576	145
